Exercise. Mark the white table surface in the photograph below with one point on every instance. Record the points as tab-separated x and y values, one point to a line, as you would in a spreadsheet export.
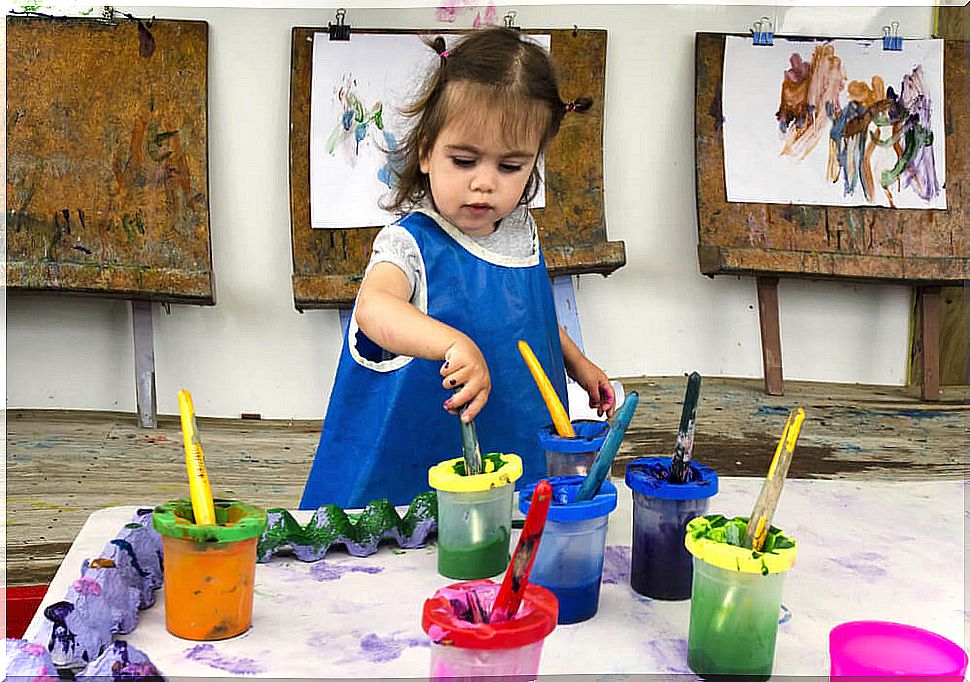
866	550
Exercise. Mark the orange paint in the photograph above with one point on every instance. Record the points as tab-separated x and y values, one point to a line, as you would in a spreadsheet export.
208	587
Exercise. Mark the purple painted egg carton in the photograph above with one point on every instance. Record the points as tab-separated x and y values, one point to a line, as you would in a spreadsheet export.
107	596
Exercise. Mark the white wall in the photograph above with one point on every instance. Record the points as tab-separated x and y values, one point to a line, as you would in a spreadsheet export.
253	352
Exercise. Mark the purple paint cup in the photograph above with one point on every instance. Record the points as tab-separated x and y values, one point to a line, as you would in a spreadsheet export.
573	456
660	566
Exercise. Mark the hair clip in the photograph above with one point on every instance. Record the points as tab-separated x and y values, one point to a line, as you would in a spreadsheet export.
571	106
444	54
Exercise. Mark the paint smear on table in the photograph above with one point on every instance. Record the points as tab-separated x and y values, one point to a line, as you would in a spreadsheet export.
207	654
377	649
616	565
323	571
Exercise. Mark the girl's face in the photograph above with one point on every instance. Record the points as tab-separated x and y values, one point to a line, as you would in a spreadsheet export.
476	177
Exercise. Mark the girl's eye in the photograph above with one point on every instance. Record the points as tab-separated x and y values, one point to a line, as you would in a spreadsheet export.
462	162
510	167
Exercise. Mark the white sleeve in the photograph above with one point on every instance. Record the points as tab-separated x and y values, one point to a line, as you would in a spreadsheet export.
394	244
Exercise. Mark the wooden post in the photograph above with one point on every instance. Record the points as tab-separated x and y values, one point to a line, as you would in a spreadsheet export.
141	320
929	298
770	335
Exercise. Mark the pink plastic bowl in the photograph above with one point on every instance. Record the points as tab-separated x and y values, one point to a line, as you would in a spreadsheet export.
872	647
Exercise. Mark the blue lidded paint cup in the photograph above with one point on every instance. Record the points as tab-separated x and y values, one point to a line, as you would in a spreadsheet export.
573	456
569	562
660	566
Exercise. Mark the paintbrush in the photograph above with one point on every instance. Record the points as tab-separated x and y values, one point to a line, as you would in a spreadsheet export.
760	520
680	463
510	594
202	507
469	443
600	468
559	417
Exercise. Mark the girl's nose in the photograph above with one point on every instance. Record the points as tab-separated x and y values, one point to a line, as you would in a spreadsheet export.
483	181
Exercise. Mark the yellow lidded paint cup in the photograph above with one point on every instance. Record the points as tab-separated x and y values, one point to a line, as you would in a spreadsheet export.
475	515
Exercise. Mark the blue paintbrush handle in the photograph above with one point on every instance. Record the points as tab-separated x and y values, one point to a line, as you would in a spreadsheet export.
604	459
683	447
469	444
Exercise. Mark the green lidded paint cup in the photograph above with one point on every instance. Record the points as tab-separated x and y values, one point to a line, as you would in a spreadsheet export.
735	597
209	569
474	515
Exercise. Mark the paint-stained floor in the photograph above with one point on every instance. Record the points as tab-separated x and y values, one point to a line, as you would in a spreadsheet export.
61	466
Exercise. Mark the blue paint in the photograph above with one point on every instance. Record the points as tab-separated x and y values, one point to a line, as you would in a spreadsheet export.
126	547
57	614
577	603
767	410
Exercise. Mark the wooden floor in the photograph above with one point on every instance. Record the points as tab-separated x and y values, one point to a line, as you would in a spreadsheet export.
63	465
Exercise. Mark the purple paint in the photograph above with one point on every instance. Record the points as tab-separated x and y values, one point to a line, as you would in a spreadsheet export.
325	572
670	650
863	564
616	565
378	649
207	654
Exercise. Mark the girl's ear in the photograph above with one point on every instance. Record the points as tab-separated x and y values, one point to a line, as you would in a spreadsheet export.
423	163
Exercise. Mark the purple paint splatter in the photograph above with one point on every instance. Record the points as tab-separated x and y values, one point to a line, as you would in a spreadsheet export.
863	564
323	572
377	649
616	565
666	651
206	653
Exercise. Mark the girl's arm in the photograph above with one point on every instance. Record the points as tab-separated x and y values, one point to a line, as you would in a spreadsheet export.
386	316
589	376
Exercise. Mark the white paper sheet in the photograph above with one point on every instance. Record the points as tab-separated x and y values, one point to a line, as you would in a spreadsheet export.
357	87
768	161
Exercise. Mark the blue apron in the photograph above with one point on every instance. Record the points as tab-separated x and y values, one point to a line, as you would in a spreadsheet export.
385	425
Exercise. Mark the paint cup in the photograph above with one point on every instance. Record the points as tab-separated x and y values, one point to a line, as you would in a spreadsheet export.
569	562
474	515
872	647
209	569
573	456
660	565
735	599
468	650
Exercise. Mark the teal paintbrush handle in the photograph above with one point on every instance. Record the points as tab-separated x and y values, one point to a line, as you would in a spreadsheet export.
604	459
469	444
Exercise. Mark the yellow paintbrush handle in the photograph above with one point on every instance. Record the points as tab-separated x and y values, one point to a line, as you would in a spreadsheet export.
559	417
201	493
760	519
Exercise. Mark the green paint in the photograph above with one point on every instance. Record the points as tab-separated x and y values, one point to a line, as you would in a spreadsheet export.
493	458
332	524
133	223
477	561
731	532
806	217
916	138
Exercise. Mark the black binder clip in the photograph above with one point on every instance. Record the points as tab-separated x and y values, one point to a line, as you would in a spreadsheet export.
762	32
340	30
510	21
891	40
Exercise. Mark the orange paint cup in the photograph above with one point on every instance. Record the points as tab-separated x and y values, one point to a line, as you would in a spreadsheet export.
209	569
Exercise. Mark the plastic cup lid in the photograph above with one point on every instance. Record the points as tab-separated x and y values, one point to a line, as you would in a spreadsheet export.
446	621
590	436
234	521
445	475
649	476
563	507
874	647
699	540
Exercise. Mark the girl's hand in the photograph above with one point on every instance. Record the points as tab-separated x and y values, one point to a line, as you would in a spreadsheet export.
465	366
597	386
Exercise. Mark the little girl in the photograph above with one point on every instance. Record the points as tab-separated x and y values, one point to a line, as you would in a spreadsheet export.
453	285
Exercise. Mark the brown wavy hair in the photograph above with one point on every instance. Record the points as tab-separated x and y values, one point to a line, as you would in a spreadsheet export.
490	70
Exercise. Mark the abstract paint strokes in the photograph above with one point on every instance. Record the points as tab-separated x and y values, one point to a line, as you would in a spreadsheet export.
873	118
356	122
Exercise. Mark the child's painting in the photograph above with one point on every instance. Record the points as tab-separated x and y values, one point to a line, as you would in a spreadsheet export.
358	87
834	122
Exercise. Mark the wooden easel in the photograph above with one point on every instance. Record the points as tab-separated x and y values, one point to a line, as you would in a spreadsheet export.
930	258
122	210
